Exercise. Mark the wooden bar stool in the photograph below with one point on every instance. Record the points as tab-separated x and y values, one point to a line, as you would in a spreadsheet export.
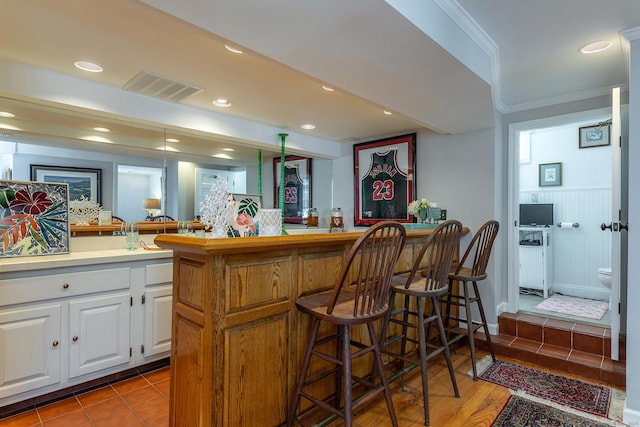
359	297
427	281
480	248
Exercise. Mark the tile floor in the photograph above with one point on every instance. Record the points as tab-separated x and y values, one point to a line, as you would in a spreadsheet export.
142	400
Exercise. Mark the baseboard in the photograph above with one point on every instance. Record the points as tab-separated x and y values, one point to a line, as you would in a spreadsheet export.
581	291
631	417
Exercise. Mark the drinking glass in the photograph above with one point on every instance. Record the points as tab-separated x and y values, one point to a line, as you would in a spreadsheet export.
133	238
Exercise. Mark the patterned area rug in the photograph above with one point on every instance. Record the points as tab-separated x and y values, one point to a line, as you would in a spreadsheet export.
520	412
575	394
589	308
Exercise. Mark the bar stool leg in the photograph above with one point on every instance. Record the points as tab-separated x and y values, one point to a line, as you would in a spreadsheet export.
484	321
443	338
472	346
383	377
346	376
423	358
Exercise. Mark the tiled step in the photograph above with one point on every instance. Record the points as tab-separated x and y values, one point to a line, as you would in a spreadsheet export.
566	346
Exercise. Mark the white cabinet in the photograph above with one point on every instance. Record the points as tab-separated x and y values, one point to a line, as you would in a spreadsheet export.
157	309
60	327
29	348
99	333
535	253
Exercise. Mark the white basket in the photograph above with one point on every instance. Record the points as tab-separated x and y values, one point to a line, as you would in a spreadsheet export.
270	222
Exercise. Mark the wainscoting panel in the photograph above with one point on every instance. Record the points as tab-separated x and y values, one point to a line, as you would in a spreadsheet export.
579	252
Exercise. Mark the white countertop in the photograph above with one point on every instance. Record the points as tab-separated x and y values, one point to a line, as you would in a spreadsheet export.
86	251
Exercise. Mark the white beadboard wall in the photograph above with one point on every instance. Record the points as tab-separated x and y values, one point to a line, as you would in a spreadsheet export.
579	252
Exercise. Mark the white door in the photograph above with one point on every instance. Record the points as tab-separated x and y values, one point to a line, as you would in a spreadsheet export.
99	333
617	226
29	348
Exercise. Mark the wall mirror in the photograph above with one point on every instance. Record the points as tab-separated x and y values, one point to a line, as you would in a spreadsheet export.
138	160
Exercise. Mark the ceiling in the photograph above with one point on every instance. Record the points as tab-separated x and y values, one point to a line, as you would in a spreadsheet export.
443	65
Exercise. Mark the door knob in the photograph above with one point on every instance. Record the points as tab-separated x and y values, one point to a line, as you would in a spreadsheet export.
604	227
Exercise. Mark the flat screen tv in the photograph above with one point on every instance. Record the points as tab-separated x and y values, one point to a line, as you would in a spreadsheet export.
536	214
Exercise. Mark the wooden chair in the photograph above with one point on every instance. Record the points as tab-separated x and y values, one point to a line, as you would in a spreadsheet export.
480	248
426	281
359	297
161	218
116	219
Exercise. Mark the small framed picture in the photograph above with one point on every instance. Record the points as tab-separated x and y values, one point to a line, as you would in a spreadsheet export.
550	174
594	136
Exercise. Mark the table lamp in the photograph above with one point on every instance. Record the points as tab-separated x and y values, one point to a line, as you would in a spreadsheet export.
150	205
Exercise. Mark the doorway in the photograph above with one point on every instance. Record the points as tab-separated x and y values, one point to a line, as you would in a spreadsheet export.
580	192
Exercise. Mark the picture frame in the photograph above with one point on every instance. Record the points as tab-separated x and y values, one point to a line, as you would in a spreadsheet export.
35	218
594	136
245	216
297	187
550	174
384	173
85	182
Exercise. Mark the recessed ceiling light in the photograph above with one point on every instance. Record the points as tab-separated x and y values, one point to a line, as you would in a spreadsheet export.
232	49
595	47
6	114
308	126
88	66
222	156
172	140
327	88
228	149
388	113
96	138
221	102
168	148
100	129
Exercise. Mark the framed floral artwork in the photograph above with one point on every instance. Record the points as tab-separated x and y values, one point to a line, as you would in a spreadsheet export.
297	187
34	218
244	219
384	179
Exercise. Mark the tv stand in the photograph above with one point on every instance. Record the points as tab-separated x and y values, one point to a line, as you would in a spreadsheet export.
535	253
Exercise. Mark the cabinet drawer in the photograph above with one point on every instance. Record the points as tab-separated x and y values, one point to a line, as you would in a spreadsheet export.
38	288
158	273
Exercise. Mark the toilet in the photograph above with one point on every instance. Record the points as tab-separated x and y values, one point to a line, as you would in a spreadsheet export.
604	277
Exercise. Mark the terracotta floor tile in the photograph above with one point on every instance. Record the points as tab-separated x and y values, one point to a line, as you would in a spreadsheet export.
59	408
157	421
124	419
95	396
163	387
141	395
151	409
106	408
131	384
76	418
28	418
158	375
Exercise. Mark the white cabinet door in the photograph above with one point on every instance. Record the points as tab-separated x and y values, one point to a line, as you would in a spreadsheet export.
99	330
29	348
157	320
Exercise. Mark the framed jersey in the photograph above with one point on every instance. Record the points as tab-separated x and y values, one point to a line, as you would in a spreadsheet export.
297	187
384	179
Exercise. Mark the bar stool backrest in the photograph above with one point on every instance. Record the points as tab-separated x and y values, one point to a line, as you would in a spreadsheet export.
369	267
436	256
480	246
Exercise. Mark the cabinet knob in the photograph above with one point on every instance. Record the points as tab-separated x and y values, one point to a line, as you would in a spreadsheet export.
65	286
74	339
55	343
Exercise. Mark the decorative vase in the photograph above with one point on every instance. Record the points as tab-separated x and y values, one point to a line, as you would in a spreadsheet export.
422	218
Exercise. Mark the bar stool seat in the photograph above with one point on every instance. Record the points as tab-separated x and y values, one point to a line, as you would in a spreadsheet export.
427	282
359	298
480	248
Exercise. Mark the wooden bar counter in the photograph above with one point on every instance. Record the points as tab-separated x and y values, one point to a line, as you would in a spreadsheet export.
237	337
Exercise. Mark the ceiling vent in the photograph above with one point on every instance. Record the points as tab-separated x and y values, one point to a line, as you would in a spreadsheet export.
161	87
